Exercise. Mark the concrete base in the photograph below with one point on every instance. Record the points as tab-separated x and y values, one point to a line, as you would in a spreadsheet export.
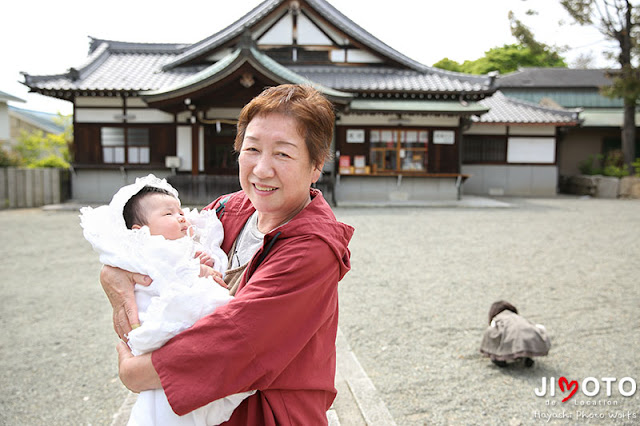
511	180
394	189
630	187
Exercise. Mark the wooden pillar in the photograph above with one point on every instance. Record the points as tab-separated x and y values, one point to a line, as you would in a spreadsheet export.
195	147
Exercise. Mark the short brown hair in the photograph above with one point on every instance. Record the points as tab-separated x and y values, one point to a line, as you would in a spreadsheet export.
311	110
132	212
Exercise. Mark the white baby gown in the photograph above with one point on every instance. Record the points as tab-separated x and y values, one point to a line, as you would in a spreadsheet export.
175	300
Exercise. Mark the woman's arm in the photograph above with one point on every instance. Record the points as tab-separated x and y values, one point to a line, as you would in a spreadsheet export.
118	286
136	372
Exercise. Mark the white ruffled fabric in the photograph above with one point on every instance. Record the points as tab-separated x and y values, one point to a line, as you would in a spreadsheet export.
176	298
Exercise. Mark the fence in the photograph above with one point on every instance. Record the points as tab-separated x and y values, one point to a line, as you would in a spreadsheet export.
33	187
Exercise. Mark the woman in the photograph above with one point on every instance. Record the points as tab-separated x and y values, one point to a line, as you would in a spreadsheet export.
278	334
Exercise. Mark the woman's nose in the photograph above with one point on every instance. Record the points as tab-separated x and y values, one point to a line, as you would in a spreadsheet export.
263	167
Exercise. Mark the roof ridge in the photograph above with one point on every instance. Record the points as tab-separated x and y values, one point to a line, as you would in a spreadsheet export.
137	46
562	111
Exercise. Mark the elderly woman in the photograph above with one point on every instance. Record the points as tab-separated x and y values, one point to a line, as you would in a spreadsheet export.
287	253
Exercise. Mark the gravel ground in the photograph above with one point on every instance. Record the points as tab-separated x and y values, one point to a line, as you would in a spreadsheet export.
413	310
415	305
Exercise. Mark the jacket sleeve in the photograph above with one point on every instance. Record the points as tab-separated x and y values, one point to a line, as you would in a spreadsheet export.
249	342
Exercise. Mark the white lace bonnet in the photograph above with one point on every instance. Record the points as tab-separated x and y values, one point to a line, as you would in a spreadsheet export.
125	193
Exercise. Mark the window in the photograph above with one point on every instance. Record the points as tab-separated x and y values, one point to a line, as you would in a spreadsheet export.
484	149
120	145
399	150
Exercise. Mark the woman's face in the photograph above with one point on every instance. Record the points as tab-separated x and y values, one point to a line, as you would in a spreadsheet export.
275	169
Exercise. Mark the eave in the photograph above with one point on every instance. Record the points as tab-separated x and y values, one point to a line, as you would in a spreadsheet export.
393	106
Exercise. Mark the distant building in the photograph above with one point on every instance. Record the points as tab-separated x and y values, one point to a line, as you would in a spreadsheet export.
24	120
405	132
601	117
5	126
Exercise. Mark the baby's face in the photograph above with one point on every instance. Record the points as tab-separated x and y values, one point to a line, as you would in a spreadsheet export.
164	216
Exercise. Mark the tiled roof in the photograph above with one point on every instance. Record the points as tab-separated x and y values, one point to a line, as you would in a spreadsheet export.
118	66
554	77
387	79
335	17
6	97
43	120
503	109
232	62
115	66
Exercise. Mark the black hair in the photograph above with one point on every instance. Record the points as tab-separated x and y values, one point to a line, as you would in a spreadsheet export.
132	211
500	306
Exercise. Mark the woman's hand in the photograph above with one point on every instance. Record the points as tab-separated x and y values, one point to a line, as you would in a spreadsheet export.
118	286
136	372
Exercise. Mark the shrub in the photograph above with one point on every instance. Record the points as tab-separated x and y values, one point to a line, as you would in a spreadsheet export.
587	167
8	158
614	164
50	161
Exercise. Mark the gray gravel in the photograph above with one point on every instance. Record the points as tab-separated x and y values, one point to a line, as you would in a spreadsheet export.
415	305
413	310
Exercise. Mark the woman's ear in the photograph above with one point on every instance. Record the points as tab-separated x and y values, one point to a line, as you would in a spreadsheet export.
136	227
317	172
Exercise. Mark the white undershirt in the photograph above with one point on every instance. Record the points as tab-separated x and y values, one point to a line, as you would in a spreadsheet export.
249	242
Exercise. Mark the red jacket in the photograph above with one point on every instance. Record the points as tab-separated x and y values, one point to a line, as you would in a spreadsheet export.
277	335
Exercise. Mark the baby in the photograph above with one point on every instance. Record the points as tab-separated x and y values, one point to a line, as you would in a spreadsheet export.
144	229
511	337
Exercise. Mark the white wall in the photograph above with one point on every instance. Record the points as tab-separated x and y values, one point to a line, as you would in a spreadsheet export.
4	122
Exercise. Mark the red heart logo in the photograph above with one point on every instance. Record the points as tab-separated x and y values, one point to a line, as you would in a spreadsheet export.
562	382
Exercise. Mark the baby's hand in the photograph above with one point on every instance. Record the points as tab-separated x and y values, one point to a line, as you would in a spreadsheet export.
208	271
205	259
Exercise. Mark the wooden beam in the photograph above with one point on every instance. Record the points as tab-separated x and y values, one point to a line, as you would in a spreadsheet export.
195	148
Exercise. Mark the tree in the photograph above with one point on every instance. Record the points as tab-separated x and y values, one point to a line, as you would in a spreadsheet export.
37	149
617	20
528	52
505	59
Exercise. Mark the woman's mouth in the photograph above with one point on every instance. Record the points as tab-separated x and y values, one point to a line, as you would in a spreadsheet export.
264	188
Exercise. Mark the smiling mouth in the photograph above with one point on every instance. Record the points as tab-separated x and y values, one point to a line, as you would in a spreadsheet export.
264	188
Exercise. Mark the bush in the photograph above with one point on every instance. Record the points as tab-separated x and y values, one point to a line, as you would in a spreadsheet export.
612	165
50	161
587	167
8	158
636	167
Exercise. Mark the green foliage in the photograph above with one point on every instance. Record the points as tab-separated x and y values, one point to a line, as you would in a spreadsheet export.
448	64
614	164
37	149
626	85
636	166
8	158
52	160
611	165
505	59
587	167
